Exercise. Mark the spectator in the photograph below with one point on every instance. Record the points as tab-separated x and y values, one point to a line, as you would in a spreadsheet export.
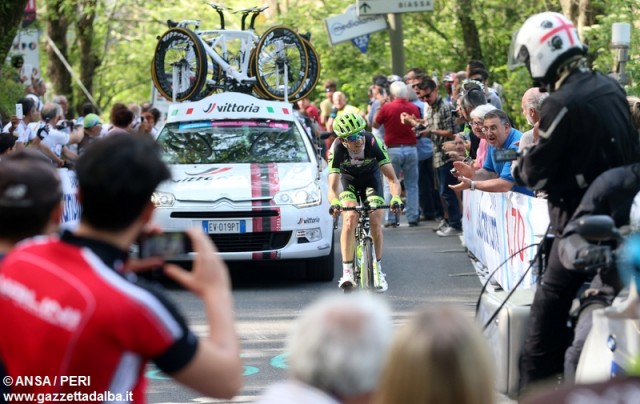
336	349
584	129
327	105
438	357
121	119
92	131
310	109
430	205
54	137
401	146
137	114
477	123
36	92
471	98
379	93
149	119
120	324
531	105
440	128
494	176
7	142
482	76
340	107
20	127
64	103
30	200
456	86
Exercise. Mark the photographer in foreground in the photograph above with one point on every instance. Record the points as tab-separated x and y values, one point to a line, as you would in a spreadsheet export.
584	130
97	322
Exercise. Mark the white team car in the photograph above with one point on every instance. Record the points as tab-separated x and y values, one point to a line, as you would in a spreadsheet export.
245	171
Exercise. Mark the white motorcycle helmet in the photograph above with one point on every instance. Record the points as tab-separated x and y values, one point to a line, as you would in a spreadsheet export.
543	42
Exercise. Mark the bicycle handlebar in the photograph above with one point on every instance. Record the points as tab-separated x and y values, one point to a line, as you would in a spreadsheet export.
367	208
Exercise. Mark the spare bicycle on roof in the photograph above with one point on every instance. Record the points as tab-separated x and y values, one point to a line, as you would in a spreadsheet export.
190	64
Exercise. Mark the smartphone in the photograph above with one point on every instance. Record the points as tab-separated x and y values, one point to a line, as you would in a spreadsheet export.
503	155
166	245
19	113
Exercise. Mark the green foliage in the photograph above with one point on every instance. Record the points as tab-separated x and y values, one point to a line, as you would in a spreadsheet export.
126	31
11	92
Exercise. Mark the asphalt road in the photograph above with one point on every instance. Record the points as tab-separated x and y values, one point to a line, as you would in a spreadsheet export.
421	269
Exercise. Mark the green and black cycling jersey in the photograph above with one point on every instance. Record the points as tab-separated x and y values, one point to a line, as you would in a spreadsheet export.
373	156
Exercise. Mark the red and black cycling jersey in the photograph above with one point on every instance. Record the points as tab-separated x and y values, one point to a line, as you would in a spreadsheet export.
374	155
68	311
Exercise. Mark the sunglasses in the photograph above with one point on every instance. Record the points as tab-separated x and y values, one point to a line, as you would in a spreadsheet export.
355	137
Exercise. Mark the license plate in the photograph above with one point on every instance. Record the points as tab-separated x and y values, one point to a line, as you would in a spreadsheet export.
224	226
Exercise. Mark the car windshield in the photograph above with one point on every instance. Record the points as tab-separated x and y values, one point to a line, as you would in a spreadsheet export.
215	142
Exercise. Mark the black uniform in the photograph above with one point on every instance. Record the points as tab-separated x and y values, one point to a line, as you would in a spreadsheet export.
612	194
585	129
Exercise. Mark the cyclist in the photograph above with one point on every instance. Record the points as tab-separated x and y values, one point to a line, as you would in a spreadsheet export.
356	159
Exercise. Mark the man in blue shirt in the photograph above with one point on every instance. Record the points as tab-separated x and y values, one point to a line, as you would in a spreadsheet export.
493	176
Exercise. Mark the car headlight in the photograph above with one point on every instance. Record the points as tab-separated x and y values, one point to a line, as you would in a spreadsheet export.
310	195
163	199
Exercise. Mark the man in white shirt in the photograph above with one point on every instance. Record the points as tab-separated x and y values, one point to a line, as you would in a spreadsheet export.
54	138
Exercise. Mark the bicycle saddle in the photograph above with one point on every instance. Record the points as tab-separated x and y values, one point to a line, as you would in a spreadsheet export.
218	8
245	11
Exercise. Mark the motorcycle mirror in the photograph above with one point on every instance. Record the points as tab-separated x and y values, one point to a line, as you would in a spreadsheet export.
597	228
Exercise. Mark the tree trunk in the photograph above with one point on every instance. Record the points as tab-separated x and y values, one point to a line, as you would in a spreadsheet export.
11	13
89	61
57	27
470	35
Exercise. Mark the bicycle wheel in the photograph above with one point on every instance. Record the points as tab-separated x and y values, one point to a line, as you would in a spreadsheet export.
179	46
277	48
314	72
212	85
366	266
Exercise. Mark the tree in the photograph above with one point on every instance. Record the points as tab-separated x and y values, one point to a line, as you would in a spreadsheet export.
11	13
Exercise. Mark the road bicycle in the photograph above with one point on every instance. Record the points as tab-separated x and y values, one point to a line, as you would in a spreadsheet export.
365	271
191	64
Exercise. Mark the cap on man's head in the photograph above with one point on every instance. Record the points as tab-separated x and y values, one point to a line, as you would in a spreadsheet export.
28	180
91	120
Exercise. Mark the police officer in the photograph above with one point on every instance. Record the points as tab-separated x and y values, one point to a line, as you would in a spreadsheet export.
585	129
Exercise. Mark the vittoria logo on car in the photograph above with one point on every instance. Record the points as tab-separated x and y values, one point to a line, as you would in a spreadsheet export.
309	220
231	107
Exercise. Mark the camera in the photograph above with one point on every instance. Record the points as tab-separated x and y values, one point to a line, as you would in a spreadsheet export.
166	245
503	155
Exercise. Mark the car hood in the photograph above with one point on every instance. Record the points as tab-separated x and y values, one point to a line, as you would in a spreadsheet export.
236	182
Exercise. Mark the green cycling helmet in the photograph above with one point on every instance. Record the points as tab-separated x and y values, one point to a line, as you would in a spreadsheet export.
348	124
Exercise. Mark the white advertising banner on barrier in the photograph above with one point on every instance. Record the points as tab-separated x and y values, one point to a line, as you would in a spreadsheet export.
71	205
499	225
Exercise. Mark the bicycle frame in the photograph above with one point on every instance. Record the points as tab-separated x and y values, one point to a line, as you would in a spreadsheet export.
362	235
248	40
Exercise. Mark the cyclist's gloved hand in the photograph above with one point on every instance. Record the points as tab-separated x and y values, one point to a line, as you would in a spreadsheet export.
395	200
336	207
592	257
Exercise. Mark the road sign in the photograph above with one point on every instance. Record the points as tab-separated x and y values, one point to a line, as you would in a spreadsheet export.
347	26
373	7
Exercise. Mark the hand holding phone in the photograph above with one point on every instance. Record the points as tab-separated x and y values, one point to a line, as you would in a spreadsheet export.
19	112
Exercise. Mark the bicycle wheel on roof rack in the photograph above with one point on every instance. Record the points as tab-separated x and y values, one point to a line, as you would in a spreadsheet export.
213	84
277	48
255	88
182	47
314	72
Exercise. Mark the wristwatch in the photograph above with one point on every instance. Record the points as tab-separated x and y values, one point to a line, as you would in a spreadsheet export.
472	187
